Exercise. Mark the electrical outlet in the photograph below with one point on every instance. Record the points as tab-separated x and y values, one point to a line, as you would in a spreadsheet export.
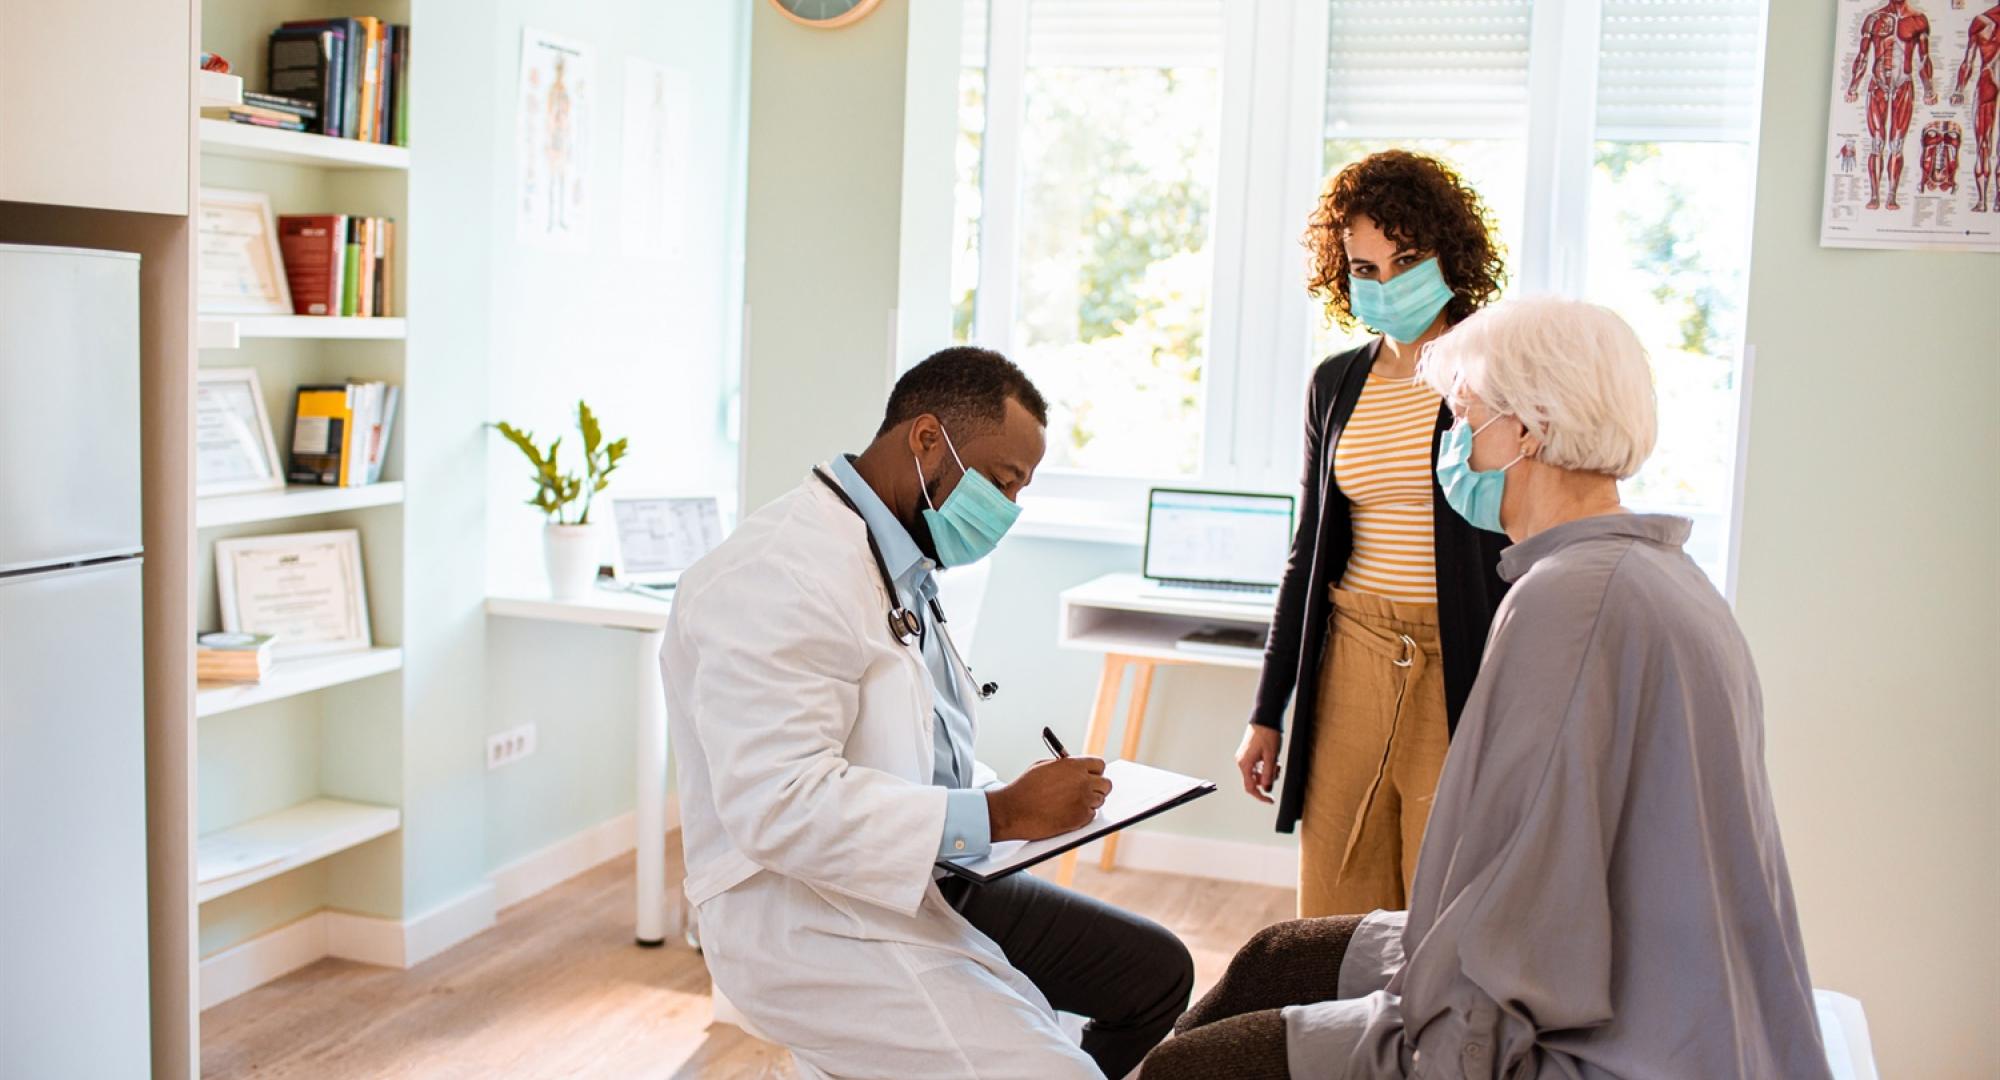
510	746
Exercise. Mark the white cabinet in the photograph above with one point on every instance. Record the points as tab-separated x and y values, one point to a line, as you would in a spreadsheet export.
96	106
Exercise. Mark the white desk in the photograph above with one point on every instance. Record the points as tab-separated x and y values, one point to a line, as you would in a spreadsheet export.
648	619
1135	625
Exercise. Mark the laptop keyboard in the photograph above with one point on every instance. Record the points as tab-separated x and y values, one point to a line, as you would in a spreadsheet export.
1227	588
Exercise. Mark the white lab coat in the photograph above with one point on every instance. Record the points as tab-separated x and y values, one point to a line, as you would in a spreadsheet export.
803	735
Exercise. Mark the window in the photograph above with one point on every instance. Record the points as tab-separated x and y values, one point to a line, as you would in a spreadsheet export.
1453	84
968	155
1135	177
1669	233
1111	179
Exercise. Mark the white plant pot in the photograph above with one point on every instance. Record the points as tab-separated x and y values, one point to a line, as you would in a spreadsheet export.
569	553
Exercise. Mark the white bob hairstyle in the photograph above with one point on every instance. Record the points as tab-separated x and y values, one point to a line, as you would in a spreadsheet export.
1575	373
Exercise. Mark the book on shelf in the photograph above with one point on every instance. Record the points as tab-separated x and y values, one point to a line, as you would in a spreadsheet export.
356	71
313	60
278	105
314	247
337	264
255	117
340	434
232	657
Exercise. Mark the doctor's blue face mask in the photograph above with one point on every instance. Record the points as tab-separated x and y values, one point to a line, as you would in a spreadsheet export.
973	518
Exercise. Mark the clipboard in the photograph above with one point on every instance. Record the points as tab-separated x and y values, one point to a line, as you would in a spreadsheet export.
1148	792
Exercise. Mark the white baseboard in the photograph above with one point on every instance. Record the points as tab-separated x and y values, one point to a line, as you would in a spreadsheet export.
539	871
447	924
1194	856
365	939
270	955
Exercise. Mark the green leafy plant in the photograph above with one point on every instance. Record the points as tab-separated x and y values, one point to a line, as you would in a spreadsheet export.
557	492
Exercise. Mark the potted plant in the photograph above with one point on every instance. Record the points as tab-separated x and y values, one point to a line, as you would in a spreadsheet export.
569	549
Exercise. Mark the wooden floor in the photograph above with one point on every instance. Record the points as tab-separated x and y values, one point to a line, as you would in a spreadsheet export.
558	989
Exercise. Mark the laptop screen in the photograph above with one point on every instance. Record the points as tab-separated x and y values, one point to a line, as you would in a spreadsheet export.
664	536
1217	536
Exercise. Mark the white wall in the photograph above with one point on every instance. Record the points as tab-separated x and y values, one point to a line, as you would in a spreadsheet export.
1870	590
649	342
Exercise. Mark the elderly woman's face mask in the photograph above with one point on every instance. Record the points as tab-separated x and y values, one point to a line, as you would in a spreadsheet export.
1473	494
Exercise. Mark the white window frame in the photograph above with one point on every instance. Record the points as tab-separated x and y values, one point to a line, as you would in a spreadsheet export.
1273	87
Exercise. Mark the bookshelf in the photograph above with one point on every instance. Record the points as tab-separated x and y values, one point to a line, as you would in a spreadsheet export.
230	331
289	678
295	500
222	138
308	832
323	737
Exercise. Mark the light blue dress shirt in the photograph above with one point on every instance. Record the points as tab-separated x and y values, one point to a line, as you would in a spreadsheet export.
968	832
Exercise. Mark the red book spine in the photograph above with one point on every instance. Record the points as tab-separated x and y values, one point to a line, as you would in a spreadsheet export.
308	243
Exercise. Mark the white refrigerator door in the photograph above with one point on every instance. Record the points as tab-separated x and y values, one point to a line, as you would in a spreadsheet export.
69	405
73	968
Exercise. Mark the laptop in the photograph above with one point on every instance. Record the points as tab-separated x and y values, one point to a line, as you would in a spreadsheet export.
1217	545
659	537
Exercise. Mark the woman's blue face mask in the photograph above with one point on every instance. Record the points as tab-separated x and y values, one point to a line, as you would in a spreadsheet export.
1404	306
1475	495
973	518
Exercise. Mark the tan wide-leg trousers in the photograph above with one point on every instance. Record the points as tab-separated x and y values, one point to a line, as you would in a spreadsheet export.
1378	746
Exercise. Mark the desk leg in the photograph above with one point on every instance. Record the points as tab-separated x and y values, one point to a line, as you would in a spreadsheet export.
650	813
1094	738
1135	720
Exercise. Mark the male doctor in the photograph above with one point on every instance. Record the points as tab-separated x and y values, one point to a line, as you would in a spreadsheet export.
824	727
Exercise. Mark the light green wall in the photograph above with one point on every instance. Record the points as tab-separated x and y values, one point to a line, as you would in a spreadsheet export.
1870	590
650	342
823	226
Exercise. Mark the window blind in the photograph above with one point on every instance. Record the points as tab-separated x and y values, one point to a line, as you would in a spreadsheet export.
972	35
1125	33
1680	70
1426	68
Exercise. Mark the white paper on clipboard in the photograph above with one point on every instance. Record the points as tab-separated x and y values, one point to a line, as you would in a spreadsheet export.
1137	792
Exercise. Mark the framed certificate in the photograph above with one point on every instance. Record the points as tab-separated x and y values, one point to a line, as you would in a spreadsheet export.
233	448
304	589
240	269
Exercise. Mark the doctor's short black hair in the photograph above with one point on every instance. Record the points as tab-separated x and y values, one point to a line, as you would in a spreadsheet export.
966	387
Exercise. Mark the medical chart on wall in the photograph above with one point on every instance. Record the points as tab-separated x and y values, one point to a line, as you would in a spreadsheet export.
1910	158
653	197
552	141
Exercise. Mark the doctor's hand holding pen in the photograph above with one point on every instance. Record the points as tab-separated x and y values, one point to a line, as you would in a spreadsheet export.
1049	799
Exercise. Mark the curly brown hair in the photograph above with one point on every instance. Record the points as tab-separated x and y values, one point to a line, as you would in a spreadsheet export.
1420	203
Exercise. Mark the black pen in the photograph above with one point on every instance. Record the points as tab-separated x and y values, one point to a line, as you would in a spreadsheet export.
1054	744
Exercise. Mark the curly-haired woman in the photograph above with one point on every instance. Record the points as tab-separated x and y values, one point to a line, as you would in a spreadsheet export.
1388	594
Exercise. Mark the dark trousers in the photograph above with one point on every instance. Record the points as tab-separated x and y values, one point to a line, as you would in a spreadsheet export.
1237	1030
1127	974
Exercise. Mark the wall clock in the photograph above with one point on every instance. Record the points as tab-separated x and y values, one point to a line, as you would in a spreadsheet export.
825	14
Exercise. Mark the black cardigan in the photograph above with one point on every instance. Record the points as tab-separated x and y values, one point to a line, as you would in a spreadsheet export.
1468	582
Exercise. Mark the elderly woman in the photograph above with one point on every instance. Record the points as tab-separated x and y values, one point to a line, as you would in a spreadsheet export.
1602	891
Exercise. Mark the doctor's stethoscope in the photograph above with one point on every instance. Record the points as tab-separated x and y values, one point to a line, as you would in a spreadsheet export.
905	624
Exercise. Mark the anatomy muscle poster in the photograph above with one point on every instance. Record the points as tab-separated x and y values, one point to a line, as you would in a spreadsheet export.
1910	148
553	129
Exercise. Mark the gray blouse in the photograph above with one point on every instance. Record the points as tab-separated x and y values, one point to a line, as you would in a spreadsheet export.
1602	891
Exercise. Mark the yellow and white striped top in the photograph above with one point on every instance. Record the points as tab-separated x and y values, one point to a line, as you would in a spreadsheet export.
1383	465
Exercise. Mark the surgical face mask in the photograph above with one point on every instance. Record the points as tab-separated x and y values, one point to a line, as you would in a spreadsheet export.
1475	495
973	518
1404	306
